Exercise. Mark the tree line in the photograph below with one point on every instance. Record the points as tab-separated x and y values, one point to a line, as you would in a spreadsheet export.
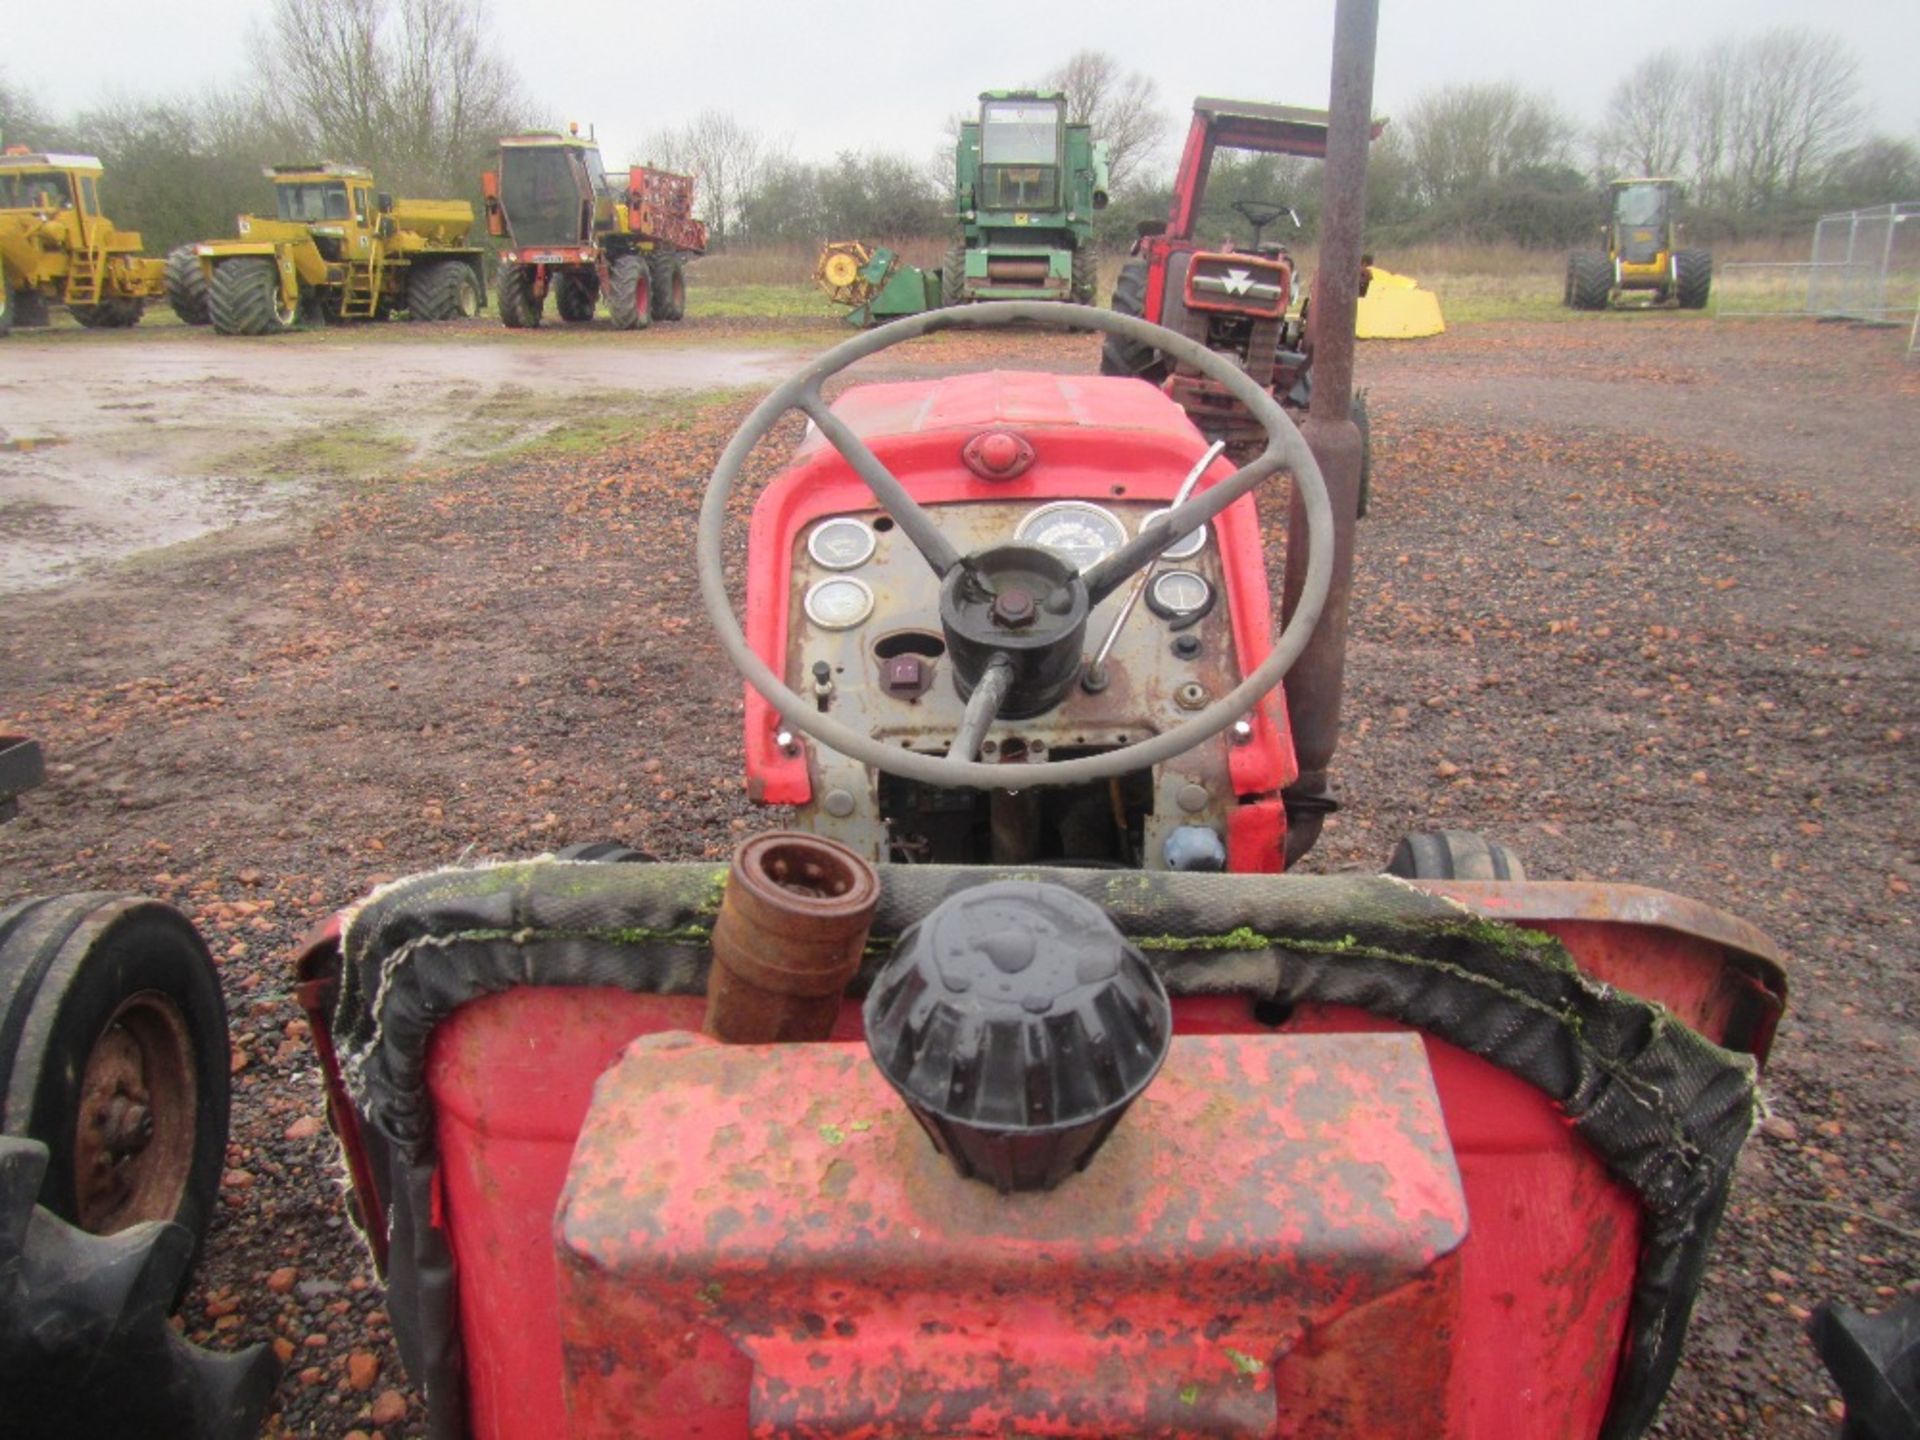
1767	132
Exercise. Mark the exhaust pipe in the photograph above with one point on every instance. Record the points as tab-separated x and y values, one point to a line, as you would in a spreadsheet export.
1314	685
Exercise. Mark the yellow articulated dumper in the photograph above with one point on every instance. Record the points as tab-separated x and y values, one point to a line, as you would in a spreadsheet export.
57	248
335	250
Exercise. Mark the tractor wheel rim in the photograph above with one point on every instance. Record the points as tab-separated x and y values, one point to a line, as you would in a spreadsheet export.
469	302
134	1138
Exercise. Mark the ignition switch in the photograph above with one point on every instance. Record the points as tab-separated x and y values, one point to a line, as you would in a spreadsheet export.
822	684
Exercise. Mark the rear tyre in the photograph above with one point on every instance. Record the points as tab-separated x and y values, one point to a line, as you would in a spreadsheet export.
629	294
443	290
1692	278
187	287
85	1348
667	273
244	298
610	852
1119	355
575	297
6	305
31	311
1086	274
1454	855
519	307
953	276
1589	280
114	313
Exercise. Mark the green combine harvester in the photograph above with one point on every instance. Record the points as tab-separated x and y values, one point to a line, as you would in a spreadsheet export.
1026	184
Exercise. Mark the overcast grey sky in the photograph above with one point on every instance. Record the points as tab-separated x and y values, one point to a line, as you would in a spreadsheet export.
827	75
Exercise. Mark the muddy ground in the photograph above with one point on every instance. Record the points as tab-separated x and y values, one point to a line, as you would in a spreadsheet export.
1637	596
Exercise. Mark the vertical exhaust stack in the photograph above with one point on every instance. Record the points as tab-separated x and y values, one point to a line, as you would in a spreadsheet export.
1314	685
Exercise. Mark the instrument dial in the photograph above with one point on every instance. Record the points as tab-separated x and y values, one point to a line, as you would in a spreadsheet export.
841	543
839	603
1186	547
1081	534
1179	594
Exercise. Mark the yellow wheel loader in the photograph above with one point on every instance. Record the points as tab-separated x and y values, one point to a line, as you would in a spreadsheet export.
1643	255
57	248
335	250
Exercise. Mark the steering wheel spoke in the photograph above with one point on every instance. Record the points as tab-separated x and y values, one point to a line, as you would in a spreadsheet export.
989	694
915	522
1111	573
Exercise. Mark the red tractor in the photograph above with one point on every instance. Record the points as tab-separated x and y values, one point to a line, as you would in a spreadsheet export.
583	235
1234	301
1012	1090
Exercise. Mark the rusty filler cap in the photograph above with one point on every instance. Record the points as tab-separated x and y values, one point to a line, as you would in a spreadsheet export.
1019	1025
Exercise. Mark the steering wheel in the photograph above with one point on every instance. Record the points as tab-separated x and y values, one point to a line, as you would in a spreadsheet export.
1015	615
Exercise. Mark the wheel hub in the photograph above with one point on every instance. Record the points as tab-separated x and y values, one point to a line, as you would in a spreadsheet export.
133	1141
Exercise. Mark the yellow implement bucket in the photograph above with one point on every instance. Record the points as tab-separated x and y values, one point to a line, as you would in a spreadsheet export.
1396	308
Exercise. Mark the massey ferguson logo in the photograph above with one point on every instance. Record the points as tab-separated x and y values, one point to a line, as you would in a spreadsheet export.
1238	282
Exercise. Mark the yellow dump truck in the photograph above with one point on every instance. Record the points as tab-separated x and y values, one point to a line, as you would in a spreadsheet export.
56	248
335	250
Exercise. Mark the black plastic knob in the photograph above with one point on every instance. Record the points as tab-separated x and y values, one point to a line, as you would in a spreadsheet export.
1018	1024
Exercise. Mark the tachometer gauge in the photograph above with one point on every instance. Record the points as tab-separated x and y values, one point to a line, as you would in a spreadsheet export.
1179	595
1081	534
1186	547
839	603
841	543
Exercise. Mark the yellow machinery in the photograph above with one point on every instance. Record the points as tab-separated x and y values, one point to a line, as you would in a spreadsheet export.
335	250
56	248
1394	307
1643	254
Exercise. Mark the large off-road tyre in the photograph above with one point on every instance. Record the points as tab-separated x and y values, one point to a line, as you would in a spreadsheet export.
953	276
116	312
575	296
1454	855
1692	278
31	311
244	298
1122	356
519	307
668	274
1086	274
1589	280
443	290
86	1352
187	287
6	304
114	1055
629	293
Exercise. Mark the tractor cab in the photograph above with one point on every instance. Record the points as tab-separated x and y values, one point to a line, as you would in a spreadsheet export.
1640	214
550	190
48	184
1023	136
335	205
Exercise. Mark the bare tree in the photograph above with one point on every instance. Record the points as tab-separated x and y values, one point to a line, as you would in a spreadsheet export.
410	87
1645	131
1797	107
1463	137
1123	108
726	158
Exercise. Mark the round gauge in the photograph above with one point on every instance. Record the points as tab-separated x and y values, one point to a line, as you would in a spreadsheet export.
1081	534
1186	547
839	603
841	543
1179	595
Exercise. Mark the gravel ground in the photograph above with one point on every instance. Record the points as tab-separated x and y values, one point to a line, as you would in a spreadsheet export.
1637	597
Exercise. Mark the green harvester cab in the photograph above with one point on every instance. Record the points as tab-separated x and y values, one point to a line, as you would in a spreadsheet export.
1026	185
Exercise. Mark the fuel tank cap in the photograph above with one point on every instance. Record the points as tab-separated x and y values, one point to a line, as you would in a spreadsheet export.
1018	1024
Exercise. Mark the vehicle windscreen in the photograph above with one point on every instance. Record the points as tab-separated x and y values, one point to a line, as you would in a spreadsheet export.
36	190
1020	155
541	191
1640	205
304	204
1020	132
